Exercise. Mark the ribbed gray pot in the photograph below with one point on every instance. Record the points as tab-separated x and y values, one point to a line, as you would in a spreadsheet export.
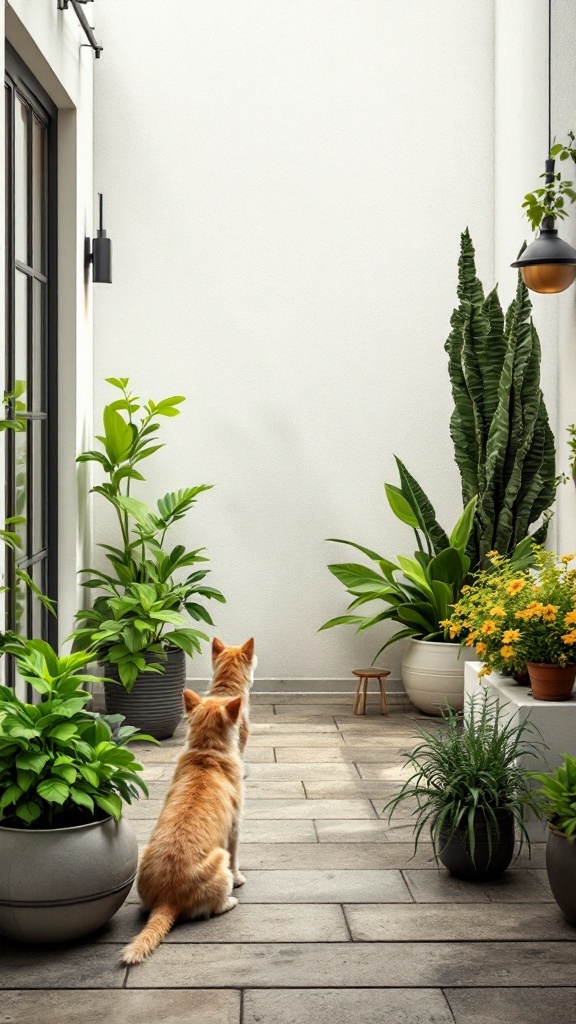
154	703
561	868
59	884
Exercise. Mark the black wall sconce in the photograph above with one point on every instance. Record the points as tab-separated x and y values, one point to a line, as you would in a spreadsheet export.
100	256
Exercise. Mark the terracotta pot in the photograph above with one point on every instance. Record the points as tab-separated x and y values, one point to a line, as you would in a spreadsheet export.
551	682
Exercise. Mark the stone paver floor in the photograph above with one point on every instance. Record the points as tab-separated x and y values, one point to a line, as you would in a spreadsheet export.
337	923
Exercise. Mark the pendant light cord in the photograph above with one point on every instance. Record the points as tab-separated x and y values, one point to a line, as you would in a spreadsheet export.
549	76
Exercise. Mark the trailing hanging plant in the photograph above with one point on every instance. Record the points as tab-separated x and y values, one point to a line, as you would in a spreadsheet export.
550	199
504	447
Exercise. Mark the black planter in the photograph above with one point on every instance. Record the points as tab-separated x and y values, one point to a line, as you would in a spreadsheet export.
154	703
454	852
561	868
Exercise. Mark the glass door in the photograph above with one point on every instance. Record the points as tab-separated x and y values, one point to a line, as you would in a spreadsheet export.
31	352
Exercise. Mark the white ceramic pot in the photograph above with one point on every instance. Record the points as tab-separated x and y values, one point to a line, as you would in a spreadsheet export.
433	673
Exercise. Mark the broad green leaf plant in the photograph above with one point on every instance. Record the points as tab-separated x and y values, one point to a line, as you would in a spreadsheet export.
503	444
59	765
417	592
557	795
139	614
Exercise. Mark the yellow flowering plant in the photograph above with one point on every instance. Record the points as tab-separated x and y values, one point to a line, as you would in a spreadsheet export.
513	616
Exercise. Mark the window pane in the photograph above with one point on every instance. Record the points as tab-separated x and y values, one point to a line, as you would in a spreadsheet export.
21	286
38	402
38	573
21	608
21	129
21	486
38	504
38	196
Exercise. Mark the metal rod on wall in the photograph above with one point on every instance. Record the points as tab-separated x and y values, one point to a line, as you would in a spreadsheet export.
88	30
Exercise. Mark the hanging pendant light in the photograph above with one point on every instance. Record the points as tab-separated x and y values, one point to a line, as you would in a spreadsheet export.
548	264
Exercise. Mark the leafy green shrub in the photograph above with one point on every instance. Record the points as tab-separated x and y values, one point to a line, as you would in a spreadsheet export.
58	763
141	598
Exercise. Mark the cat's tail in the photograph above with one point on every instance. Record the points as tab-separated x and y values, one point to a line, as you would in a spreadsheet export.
158	925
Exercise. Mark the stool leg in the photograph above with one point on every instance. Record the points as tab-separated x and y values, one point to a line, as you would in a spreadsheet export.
382	681
364	689
356	709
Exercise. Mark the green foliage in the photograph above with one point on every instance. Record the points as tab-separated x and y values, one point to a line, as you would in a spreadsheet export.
140	596
417	592
504	447
557	795
469	770
58	762
550	199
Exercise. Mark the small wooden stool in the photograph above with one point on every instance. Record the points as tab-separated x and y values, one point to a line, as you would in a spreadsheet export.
365	674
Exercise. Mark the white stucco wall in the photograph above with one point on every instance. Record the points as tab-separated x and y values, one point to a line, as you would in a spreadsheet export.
286	185
51	43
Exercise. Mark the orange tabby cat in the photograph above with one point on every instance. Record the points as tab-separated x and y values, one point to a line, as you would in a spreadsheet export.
233	675
185	869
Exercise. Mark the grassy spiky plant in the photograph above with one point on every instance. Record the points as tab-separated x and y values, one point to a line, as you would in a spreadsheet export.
470	771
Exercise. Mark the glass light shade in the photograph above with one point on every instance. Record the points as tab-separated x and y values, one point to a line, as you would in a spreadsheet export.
549	277
548	264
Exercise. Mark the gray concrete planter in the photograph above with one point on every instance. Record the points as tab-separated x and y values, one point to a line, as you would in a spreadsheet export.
561	868
59	884
155	702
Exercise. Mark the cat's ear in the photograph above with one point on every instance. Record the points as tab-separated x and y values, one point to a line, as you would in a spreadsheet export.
217	647
191	700
248	650
233	708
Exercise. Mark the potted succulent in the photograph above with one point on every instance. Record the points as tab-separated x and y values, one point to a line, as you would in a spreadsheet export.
558	804
68	856
417	593
519	618
470	792
136	625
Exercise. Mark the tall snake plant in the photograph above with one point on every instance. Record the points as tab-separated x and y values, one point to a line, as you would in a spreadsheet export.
503	443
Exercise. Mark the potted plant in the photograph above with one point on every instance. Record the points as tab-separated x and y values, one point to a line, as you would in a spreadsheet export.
523	619
68	856
470	792
136	626
558	804
417	594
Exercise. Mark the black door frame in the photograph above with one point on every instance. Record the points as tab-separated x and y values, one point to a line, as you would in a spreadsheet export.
19	79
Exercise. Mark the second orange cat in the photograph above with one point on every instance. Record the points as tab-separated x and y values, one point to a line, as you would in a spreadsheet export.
233	675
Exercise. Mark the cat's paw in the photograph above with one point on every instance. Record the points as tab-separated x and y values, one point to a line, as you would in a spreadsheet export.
239	879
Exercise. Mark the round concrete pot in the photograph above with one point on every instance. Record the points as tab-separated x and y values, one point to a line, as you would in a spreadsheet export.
489	862
561	868
154	703
433	673
59	884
